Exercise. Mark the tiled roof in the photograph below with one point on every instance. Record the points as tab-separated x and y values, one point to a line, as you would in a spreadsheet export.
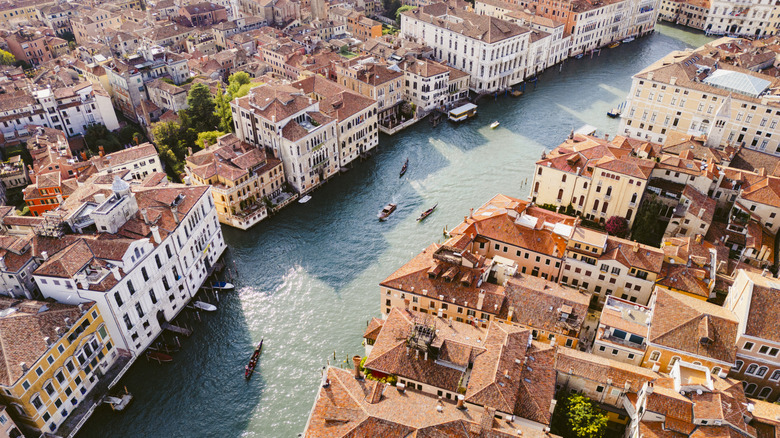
540	304
691	279
423	275
693	326
765	191
633	254
346	407
484	28
602	370
23	333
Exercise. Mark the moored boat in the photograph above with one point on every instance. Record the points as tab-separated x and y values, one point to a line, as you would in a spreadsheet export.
205	306
387	211
158	356
426	213
403	169
224	285
614	112
494	125
614	44
304	199
628	40
516	93
250	368
579	56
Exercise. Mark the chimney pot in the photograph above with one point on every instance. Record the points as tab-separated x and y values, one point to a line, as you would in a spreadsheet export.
461	405
45	255
356	361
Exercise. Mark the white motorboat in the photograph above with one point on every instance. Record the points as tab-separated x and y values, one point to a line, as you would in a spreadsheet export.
494	125
304	199
205	306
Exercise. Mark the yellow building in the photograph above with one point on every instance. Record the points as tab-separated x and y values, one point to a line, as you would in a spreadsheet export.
375	81
683	328
242	177
595	177
17	12
704	92
55	354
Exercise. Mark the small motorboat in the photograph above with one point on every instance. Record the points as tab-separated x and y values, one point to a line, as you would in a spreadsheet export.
426	213
250	368
614	113
304	199
205	306
628	40
579	56
494	125
119	400
403	169
222	285
614	44
516	93
387	211
158	356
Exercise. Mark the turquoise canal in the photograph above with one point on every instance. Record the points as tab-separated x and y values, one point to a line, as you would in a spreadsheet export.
307	278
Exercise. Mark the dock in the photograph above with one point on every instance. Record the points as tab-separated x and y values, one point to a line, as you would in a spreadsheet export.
176	329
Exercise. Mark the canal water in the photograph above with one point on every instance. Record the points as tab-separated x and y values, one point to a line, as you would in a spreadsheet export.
307	278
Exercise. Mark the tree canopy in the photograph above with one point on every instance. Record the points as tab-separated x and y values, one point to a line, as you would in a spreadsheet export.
617	226
6	58
648	229
577	416
199	115
402	9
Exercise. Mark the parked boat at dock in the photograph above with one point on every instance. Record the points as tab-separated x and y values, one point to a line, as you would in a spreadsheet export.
387	211
250	368
222	285
205	306
158	356
462	112
304	199
426	213
628	40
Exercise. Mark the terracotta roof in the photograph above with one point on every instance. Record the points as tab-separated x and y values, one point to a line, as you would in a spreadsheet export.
765	191
346	407
602	370
693	326
542	304
633	254
484	28
691	279
23	333
424	274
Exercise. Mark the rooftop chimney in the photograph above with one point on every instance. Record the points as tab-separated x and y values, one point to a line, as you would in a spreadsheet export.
145	215
47	340
2	263
115	271
156	234
356	361
175	212
461	404
45	255
24	367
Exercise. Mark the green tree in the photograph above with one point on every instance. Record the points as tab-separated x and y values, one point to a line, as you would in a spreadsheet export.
168	134
647	228
6	58
235	81
209	137
222	111
98	135
578	417
401	10
200	114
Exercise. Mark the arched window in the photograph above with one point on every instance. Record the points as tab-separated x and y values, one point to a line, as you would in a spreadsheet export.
737	366
633	198
716	370
628	214
674	361
560	194
536	187
775	375
762	371
697	363
751	369
604	207
582	201
765	391
654	356
750	389
596	204
609	191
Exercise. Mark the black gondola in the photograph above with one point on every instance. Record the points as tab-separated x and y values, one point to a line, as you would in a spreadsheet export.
426	213
403	169
250	368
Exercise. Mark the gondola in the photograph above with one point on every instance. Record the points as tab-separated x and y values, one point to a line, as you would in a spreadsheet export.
250	368
426	213
403	169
